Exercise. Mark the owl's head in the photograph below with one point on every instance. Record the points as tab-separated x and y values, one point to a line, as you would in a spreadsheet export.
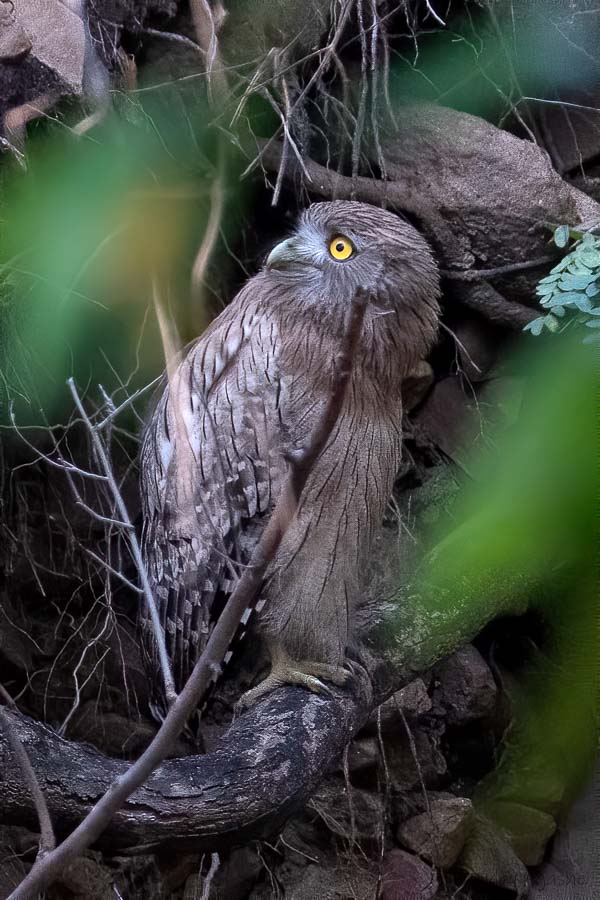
342	245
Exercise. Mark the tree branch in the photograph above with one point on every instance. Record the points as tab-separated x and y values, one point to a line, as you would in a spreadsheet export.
249	786
47	838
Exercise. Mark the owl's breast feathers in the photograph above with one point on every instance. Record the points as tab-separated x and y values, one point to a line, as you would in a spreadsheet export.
213	460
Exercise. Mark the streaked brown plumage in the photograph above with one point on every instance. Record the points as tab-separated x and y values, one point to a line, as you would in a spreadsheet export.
248	392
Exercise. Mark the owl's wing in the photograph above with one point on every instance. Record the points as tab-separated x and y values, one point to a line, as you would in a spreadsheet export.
211	466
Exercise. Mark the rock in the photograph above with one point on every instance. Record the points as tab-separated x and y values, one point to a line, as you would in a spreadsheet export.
413	700
57	37
416	384
527	830
84	879
487	855
357	815
405	770
363	754
454	192
451	418
477	346
324	882
405	876
467	690
14	40
237	875
439	835
573	867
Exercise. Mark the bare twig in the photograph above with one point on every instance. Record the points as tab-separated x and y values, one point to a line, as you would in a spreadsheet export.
215	862
47	838
497	271
114	412
213	227
243	595
485	299
206	32
134	546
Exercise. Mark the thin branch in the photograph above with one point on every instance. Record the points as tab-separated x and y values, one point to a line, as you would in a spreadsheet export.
134	546
132	587
213	227
47	838
206	32
215	862
118	409
485	299
497	271
244	594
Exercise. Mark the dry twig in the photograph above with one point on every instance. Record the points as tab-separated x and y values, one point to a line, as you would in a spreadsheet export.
47	838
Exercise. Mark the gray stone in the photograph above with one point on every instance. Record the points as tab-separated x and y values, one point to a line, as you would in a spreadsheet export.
57	37
487	855
406	876
467	689
363	754
527	829
406	768
439	834
356	815
412	701
14	40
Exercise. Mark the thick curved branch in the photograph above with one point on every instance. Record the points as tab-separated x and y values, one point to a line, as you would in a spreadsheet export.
268	764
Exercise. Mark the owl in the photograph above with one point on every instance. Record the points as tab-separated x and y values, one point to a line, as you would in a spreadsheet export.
245	396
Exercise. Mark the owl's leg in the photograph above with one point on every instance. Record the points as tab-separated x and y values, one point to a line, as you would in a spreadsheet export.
285	670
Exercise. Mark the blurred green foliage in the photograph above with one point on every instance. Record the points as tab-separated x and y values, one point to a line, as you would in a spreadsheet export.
526	535
487	59
86	230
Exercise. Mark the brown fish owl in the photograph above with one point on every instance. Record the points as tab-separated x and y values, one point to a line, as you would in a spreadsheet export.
249	392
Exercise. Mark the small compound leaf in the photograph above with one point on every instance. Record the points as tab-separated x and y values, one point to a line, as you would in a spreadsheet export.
561	236
576	282
536	326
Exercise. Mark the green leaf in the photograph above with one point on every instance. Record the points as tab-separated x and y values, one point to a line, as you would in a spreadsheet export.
562	265
561	236
551	323
576	282
561	298
589	258
593	323
592	289
550	279
536	326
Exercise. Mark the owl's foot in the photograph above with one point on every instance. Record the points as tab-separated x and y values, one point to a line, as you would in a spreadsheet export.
306	673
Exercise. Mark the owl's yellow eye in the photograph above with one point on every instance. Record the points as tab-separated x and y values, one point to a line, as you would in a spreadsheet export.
341	248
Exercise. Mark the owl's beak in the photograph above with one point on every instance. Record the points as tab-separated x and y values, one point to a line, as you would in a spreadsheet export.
287	253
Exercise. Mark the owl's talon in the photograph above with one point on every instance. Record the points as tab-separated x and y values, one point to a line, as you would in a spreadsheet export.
310	675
